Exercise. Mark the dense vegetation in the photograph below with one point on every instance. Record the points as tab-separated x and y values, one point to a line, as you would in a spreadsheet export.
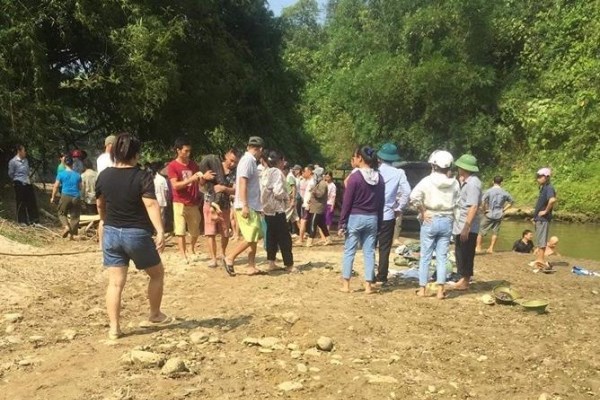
516	83
72	70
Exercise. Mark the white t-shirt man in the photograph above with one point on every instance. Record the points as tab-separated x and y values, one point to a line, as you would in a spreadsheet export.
104	162
247	169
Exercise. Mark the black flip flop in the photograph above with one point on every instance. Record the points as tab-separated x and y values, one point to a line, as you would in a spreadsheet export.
228	268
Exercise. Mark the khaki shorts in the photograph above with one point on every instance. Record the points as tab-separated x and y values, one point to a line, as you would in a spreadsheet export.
218	227
186	216
487	224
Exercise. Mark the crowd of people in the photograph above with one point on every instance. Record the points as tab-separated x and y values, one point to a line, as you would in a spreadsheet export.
258	195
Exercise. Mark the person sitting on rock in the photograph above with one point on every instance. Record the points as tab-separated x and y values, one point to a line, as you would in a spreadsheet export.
525	244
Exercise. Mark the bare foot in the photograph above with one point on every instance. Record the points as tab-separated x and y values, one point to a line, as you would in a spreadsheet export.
250	271
345	290
422	292
490	251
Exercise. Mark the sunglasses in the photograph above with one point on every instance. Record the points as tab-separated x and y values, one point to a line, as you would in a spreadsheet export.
541	176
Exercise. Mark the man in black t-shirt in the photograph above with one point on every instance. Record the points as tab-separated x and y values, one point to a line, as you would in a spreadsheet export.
542	215
216	209
525	244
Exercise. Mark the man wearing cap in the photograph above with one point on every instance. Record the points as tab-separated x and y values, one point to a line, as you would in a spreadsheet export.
542	215
104	161
466	226
397	193
248	207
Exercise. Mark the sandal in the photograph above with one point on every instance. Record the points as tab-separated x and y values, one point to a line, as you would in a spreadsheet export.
168	320
228	268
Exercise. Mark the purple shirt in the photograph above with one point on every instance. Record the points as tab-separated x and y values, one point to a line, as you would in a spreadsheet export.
362	198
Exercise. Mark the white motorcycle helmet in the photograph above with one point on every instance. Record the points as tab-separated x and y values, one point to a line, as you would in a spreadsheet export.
441	159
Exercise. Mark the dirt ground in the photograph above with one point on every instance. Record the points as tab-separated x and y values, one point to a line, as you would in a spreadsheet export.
391	345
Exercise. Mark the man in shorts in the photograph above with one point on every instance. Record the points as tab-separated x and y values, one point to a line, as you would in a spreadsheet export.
216	210
495	202
186	178
542	215
248	208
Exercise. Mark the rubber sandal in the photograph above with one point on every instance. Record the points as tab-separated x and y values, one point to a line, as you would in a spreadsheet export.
228	268
168	320
256	272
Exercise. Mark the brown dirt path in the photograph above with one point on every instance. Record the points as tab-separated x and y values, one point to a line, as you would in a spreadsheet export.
408	347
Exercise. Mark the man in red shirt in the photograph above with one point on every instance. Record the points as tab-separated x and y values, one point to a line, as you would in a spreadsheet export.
186	178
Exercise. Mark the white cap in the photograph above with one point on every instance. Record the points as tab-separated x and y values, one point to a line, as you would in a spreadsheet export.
441	158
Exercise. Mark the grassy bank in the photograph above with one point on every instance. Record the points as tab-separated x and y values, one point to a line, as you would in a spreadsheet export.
577	184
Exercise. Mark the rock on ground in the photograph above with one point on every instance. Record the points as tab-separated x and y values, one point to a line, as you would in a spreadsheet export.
381	379
325	343
144	358
289	386
173	366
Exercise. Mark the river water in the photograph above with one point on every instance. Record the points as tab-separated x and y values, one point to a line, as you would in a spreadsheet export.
575	240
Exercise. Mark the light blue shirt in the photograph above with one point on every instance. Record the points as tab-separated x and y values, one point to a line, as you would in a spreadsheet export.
397	190
470	195
18	170
496	197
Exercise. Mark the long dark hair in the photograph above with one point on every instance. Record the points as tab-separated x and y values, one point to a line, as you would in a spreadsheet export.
125	149
368	154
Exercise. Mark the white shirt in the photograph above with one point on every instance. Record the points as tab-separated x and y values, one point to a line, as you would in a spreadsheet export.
161	188
103	162
331	193
248	169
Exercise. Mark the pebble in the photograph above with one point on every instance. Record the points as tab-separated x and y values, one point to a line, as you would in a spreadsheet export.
543	396
9	329
201	337
13	339
146	358
268	342
394	359
293	346
182	344
26	362
453	384
290	317
296	354
431	389
482	358
335	362
289	386
69	334
13	317
214	340
381	379
593	292
36	338
358	361
250	341
173	366
302	368
314	369
312	352
325	343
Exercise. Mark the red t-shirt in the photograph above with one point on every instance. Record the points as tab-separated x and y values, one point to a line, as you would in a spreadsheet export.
189	195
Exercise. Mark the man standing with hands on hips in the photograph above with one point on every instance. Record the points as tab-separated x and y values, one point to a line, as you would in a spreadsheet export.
542	216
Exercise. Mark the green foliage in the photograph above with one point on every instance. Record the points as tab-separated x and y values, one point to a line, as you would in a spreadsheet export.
73	71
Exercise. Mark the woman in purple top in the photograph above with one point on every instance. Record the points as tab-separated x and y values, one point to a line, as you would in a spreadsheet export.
361	215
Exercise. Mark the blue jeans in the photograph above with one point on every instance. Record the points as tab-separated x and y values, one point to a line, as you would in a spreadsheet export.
435	236
360	229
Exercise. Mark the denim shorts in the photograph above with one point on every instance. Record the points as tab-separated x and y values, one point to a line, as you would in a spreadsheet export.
120	245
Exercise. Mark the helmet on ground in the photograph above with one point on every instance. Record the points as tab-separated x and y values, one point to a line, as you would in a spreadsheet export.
441	158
